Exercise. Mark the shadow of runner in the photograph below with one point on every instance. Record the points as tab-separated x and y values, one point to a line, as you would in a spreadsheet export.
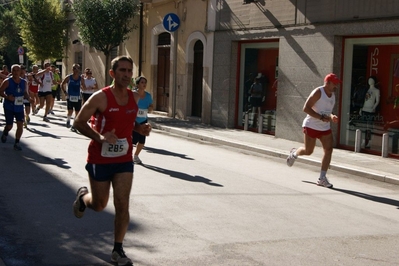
183	176
364	195
36	219
383	200
41	133
167	153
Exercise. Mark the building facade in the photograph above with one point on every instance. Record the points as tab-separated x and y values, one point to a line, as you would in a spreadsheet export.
203	65
293	45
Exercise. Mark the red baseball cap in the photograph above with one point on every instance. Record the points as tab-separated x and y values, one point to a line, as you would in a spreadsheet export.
332	78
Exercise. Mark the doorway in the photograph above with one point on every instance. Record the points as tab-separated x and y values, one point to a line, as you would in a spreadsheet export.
163	79
163	72
196	102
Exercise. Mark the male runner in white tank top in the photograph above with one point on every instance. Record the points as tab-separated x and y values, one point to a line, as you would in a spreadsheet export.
317	125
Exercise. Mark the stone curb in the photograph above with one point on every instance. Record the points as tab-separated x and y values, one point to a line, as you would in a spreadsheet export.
275	153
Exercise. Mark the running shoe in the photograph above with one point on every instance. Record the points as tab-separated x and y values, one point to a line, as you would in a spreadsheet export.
323	181
137	160
291	158
78	207
17	147
68	123
73	129
120	258
25	124
36	111
3	138
45	119
27	119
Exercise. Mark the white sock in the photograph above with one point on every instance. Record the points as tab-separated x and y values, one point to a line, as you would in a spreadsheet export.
295	156
322	174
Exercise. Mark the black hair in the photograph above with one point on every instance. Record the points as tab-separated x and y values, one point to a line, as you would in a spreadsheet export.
138	79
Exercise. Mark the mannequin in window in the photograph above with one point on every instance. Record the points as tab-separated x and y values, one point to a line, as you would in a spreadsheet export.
359	94
256	94
368	111
247	86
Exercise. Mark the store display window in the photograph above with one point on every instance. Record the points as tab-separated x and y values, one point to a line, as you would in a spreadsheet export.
370	94
258	84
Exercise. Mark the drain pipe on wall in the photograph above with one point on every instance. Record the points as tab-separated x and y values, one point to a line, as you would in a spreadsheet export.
141	37
174	74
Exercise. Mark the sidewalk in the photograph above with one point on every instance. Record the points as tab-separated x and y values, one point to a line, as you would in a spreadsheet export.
360	164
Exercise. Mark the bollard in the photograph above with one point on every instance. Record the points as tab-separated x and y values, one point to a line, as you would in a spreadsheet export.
269	122
260	123
246	121
358	140
385	145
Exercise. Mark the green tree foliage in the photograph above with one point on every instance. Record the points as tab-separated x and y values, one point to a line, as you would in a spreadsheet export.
43	27
9	37
105	24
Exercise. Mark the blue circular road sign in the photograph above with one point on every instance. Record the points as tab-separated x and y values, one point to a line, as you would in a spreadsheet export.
20	50
171	22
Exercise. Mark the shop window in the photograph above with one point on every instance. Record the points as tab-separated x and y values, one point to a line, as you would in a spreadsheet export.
258	86
370	92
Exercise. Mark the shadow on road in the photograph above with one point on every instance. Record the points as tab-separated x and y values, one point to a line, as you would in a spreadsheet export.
369	197
42	133
36	219
364	195
167	153
183	176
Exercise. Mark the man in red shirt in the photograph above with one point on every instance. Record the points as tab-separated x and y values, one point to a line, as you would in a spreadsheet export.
113	111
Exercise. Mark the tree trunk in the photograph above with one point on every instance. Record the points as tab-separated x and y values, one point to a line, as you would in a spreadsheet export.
107	68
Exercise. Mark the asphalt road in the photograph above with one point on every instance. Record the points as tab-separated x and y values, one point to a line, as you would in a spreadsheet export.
192	203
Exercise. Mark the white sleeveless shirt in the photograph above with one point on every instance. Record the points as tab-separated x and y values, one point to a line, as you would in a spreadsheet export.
371	100
324	106
47	80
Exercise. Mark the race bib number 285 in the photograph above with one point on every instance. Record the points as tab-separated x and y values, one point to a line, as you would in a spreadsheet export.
118	149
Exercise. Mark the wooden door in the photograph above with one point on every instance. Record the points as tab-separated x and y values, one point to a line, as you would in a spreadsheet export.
163	79
196	103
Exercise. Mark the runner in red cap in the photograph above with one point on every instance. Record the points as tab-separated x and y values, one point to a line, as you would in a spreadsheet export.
317	125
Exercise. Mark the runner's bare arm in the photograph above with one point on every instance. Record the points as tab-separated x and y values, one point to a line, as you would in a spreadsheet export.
64	82
83	84
3	87
96	103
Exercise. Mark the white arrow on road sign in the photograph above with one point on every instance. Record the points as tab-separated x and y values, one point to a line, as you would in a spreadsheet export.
172	24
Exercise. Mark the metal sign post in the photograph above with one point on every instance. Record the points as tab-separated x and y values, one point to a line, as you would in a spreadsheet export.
21	52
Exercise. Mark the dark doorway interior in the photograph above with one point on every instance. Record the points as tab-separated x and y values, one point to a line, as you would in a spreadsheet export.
198	66
163	72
